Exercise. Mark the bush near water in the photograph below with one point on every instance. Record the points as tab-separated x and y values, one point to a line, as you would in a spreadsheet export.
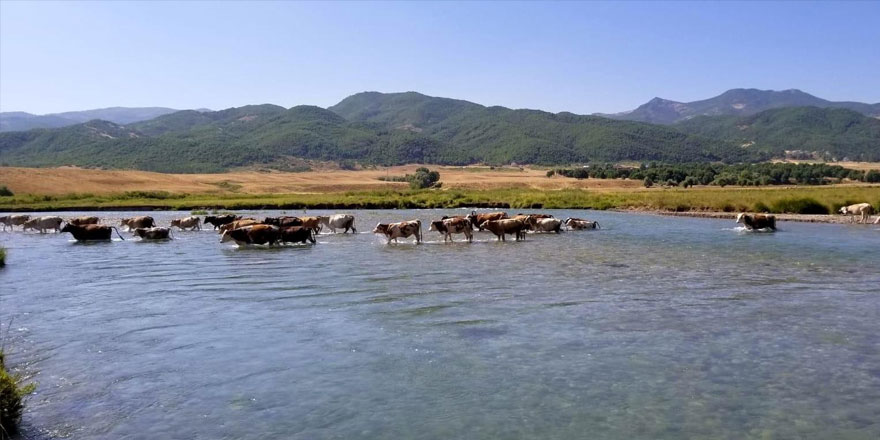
12	394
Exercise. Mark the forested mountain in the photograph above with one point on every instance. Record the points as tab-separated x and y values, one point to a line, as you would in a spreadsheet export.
18	121
832	133
735	102
398	128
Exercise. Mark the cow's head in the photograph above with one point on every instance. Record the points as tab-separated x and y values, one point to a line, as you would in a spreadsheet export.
843	210
68	228
140	232
381	228
740	218
436	225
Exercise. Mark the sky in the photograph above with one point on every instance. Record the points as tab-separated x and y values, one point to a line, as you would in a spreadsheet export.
583	57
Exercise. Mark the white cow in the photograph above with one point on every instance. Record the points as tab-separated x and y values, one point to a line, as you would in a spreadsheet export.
13	220
43	223
188	222
863	210
545	224
338	221
579	223
393	231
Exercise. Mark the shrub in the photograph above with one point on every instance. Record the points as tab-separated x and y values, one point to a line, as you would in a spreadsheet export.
648	182
799	206
5	192
550	173
2	256
761	207
12	394
199	212
423	178
872	176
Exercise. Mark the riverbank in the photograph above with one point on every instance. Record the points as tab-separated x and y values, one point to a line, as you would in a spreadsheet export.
803	218
704	200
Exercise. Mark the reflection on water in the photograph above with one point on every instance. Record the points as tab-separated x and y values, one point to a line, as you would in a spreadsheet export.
651	327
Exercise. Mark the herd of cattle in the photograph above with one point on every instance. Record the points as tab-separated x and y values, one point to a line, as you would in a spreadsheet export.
289	229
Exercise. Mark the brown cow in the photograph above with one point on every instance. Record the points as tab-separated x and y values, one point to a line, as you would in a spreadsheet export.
479	219
153	233
506	226
81	221
192	222
143	221
90	232
404	229
238	224
220	220
311	223
297	234
757	221
256	234
283	221
454	225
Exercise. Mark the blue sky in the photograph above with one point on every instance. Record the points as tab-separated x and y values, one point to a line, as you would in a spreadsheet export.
580	57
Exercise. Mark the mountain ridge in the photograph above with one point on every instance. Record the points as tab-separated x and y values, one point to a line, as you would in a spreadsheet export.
19	121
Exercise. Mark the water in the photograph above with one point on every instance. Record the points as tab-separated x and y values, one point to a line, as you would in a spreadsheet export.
651	328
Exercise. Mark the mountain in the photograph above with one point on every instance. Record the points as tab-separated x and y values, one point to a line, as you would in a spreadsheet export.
734	102
832	133
17	121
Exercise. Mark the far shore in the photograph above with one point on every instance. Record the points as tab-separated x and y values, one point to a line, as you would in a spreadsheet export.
804	218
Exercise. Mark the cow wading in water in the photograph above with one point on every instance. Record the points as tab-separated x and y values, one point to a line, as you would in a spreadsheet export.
506	226
454	225
81	221
192	223
755	222
220	220
393	231
143	221
153	233
580	224
43	223
338	221
256	234
14	220
90	232
478	219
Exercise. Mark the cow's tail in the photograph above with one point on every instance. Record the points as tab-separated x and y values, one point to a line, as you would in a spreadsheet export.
419	231
117	233
353	230
597	225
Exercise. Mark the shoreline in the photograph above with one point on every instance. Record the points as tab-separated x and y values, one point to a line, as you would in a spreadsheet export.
802	218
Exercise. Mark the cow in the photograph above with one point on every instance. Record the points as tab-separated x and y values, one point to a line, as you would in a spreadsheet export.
535	215
255	234
90	232
283	221
220	220
506	226
43	223
192	222
311	223
863	210
14	220
757	221
297	234
153	233
404	229
81	221
338	221
479	219
545	224
455	225
238	224
579	224
143	221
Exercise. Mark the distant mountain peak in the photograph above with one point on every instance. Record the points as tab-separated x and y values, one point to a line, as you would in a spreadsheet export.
734	102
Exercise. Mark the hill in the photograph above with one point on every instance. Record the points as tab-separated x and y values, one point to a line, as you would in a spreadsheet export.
829	133
371	128
734	102
18	121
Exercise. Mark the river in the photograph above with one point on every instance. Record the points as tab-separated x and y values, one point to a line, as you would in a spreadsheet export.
650	328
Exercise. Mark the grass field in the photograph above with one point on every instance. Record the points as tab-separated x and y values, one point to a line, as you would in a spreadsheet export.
72	188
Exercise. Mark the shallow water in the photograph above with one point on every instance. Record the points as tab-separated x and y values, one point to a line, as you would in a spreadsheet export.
653	327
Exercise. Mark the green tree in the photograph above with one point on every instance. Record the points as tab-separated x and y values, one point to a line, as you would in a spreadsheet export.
423	178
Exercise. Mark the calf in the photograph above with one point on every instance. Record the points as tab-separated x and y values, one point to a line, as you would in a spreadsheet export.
80	221
14	220
143	221
579	224
479	219
283	221
220	220
153	233
393	231
757	221
192	223
44	223
455	225
297	234
90	232
338	221
256	234
506	226
863	210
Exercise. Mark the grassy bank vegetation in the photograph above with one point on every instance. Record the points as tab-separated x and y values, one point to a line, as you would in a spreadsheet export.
2	256
12	394
768	199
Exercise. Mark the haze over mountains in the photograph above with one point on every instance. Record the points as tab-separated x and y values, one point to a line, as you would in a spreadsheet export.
397	128
17	121
734	102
